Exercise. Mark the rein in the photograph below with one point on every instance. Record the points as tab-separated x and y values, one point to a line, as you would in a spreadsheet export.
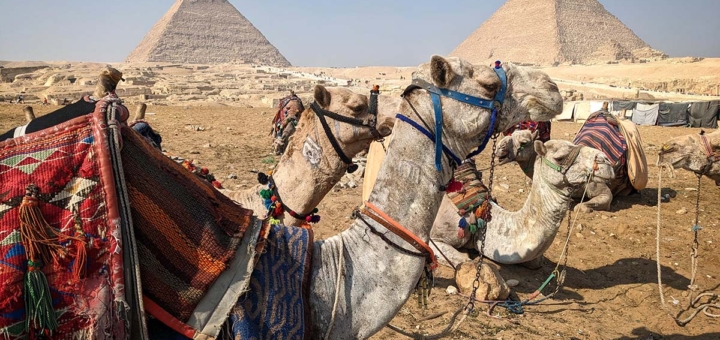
712	156
370	123
370	210
436	93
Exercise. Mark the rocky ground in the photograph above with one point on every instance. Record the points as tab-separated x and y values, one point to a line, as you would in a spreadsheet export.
611	287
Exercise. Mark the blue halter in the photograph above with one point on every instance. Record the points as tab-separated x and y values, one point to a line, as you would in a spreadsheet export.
435	93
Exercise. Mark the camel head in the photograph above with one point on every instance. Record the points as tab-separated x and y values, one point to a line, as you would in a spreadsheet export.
688	152
561	171
531	95
518	147
311	166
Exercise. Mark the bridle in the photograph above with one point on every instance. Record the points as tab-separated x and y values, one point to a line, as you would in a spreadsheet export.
565	165
275	204
370	123
435	93
712	156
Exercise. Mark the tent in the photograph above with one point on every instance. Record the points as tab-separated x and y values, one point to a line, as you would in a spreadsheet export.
673	114
582	111
567	113
704	114
645	114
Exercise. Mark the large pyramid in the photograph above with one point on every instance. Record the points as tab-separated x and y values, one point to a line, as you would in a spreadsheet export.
545	32
206	32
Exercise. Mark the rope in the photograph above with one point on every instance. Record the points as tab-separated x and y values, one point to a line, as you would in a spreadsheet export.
341	266
451	327
705	307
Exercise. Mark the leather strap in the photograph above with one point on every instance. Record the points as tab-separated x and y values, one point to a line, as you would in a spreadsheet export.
370	210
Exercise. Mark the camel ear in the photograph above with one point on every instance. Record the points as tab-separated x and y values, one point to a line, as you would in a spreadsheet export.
535	134
540	148
322	96
441	71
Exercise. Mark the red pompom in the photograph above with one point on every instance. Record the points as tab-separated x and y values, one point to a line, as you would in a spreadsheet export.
273	198
454	186
217	184
461	233
308	218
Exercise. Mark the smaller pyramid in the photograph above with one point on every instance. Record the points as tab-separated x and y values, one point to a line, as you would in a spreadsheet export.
206	32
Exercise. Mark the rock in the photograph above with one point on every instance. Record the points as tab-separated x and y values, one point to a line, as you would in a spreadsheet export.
234	176
451	290
690	189
604	217
682	211
521	190
504	186
351	184
579	235
580	227
208	145
492	285
512	283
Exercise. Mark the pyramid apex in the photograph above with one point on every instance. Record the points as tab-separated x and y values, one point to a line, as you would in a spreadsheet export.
546	32
217	34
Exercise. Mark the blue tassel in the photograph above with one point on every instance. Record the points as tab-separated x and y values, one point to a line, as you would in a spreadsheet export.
463	223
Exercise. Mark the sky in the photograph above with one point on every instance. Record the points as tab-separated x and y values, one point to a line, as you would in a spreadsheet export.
339	33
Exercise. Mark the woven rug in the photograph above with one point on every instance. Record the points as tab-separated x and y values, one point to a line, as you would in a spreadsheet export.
66	163
187	232
276	304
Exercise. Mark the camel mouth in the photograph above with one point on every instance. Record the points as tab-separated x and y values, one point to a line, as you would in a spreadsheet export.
503	157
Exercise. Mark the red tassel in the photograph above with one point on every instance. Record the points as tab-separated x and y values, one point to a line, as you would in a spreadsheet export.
454	186
461	233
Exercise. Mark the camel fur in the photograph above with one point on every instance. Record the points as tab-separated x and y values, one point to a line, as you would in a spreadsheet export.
524	235
301	184
375	279
688	152
599	195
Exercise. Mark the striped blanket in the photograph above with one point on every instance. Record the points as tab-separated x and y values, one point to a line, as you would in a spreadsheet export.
599	133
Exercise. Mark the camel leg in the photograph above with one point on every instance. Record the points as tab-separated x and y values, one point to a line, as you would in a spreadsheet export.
444	250
600	198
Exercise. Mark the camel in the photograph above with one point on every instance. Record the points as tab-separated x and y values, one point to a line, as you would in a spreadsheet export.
600	195
523	236
370	293
352	292
310	167
699	153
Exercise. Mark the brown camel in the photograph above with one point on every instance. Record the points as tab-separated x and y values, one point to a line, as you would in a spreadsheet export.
699	153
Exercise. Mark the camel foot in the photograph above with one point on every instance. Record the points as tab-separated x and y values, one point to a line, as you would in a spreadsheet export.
534	264
583	208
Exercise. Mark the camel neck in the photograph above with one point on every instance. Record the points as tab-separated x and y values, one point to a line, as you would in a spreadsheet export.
407	187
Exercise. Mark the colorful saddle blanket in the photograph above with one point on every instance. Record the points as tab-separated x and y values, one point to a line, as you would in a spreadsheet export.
197	247
69	165
276	304
604	135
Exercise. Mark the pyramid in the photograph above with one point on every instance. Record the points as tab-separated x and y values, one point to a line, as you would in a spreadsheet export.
546	32
206	32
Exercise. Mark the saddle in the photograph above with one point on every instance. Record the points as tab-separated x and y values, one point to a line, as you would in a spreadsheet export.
133	232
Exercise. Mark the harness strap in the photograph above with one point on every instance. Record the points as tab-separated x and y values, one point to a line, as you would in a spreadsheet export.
370	210
713	156
333	141
429	135
285	207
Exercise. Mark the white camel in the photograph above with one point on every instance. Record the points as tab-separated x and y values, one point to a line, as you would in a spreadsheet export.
524	235
374	278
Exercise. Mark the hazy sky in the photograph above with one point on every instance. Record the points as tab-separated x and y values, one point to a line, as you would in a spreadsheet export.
326	32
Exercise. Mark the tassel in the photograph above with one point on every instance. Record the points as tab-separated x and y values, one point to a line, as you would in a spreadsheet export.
40	249
38	302
473	229
454	186
78	242
461	233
